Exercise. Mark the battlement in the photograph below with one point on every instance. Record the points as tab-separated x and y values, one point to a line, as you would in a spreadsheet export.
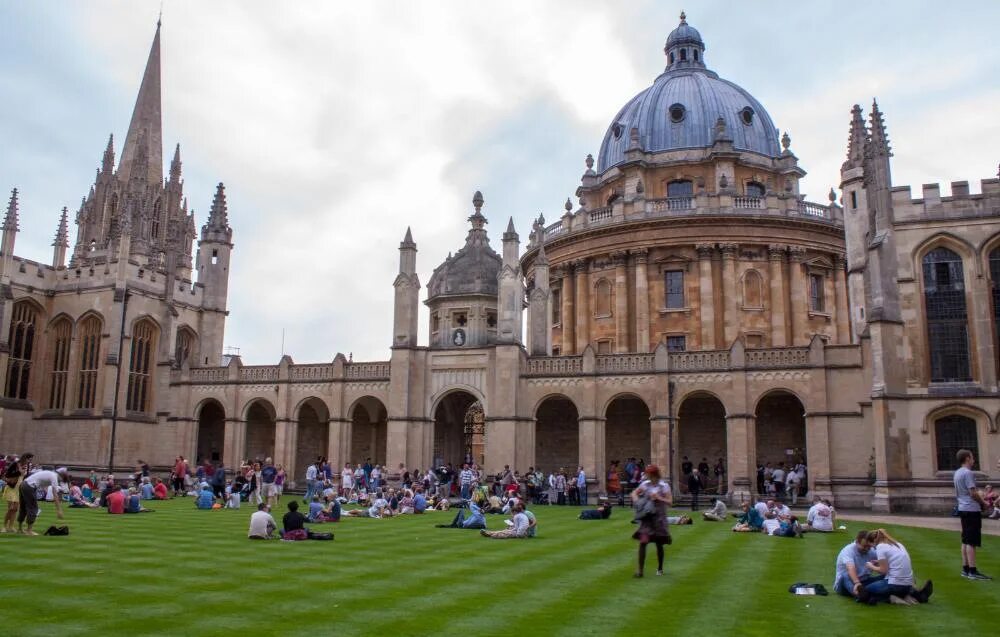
961	204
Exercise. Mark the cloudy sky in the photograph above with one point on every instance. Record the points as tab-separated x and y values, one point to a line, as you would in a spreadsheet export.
337	125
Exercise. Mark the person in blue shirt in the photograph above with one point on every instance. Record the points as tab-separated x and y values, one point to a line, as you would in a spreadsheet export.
475	520
419	501
206	498
146	489
581	486
315	509
132	502
852	574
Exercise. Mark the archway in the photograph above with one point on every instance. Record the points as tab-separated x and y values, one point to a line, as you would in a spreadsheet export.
459	430
557	435
260	431
312	438
368	431
701	438
781	431
211	432
626	431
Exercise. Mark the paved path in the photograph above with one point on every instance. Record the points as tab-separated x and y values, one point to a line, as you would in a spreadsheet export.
943	522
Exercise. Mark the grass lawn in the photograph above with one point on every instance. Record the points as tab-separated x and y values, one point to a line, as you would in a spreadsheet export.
180	571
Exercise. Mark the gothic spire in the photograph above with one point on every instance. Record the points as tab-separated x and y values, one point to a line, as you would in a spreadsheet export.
62	232
879	138
218	216
146	121
108	162
10	219
407	240
175	164
856	140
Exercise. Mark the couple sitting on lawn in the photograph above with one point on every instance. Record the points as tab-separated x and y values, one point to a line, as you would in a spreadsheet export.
876	568
262	525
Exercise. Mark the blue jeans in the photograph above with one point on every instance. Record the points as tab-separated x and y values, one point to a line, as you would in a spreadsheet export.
880	589
582	491
310	490
466	491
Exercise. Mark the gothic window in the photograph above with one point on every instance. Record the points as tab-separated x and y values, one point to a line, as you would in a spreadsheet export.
755	189
995	290
676	343
951	434
140	366
90	349
556	306
602	298
22	345
947	319
155	230
62	331
680	188
674	286
753	286
817	295
185	346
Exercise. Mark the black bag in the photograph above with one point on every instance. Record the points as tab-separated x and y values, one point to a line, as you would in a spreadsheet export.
313	535
809	589
57	530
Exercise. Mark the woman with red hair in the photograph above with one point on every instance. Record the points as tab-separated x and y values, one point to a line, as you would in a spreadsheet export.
651	499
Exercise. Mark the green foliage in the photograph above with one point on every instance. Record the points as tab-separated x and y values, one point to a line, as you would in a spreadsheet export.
180	571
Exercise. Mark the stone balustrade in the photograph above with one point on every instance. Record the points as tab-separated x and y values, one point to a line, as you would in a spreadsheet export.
259	373
321	371
624	363
210	375
367	371
716	360
783	358
554	366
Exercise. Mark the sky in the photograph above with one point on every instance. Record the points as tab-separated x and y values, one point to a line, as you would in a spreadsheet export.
337	125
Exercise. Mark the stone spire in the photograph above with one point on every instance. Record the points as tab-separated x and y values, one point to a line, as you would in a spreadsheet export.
175	164
61	241
108	161
218	216
10	219
477	234
879	142
146	122
856	140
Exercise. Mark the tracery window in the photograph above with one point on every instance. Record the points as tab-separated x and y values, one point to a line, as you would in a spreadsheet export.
22	345
995	291
184	346
90	349
139	375
62	332
947	318
952	433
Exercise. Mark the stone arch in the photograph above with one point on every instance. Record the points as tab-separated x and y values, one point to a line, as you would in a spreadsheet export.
312	438
435	400
752	289
459	428
952	430
260	417
701	435
369	426
557	434
603	299
88	314
627	432
186	346
780	429
948	240
211	418
970	411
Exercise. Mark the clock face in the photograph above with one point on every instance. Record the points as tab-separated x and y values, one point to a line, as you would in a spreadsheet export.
458	337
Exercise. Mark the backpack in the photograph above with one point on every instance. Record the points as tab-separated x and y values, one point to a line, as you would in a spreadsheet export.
57	530
313	535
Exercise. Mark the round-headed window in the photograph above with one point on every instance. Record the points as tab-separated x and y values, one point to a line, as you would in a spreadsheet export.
616	130
746	115
676	112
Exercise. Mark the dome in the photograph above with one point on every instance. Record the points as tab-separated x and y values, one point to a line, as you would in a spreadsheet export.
473	269
680	110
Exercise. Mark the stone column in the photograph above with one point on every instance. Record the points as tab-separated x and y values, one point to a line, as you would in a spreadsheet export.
641	301
776	274
738	457
591	446
286	433
234	442
396	431
799	295
621	303
582	305
731	317
818	452
843	319
706	294
568	311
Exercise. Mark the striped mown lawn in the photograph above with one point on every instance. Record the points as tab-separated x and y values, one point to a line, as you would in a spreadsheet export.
180	571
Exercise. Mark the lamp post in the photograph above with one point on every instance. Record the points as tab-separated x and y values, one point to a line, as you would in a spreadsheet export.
118	382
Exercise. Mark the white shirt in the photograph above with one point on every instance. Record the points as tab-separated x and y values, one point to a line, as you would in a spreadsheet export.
793	478
778	475
42	479
820	517
375	510
781	510
761	508
900	569
521	524
311	472
347	479
259	523
771	525
659	488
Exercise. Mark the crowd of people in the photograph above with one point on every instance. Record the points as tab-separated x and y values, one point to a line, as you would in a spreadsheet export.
782	482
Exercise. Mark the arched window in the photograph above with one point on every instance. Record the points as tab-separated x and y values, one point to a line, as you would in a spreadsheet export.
155	222
684	55
90	350
602	298
186	342
947	319
670	57
680	188
952	433
995	290
23	320
753	286
754	189
62	331
139	375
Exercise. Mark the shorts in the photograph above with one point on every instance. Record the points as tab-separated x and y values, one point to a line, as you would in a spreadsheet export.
269	490
972	527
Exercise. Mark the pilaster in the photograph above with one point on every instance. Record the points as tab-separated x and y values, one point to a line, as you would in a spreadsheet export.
568	311
799	294
776	274
582	271
739	442
641	301
621	303
843	319
706	294
731	315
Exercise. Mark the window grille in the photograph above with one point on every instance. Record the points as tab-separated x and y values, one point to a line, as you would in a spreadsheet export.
674	286
951	434
58	377
90	349
139	377
947	318
22	344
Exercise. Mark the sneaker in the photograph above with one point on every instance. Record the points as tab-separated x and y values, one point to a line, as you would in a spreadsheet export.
659	572
637	574
966	575
924	594
978	575
483	533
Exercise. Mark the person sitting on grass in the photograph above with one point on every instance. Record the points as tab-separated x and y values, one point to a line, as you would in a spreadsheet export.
419	501
315	509
331	512
532	521
781	511
750	521
785	527
763	508
679	520
476	519
406	503
894	563
232	496
133	503
160	490
519	528
116	500
77	500
294	524
852	572
146	489
262	525
717	513
820	517
205	497
602	512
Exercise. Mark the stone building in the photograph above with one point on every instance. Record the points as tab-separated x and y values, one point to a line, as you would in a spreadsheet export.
692	303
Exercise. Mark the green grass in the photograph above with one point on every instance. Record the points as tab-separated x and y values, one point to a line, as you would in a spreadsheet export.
180	571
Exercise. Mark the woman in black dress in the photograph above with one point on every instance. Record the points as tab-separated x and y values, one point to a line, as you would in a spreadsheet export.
653	520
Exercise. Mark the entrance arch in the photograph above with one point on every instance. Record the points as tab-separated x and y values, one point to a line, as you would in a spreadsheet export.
260	417
557	435
369	424
780	430
312	438
211	432
459	430
701	436
626	431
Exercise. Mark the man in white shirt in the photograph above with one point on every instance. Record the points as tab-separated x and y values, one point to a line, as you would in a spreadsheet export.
465	478
519	528
771	524
262	525
852	571
819	517
763	507
970	508
778	479
311	473
717	513
781	510
30	486
581	486
792	487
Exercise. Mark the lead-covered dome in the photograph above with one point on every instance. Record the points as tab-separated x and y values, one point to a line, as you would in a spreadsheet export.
472	270
682	107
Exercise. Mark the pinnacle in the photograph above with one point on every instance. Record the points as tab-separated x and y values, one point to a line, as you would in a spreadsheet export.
146	119
409	235
10	220
510	225
62	231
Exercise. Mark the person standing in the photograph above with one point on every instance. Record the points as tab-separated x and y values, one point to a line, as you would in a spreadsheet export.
581	486
346	481
465	478
311	472
561	487
30	486
13	475
218	480
695	486
177	477
653	525
970	508
778	480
